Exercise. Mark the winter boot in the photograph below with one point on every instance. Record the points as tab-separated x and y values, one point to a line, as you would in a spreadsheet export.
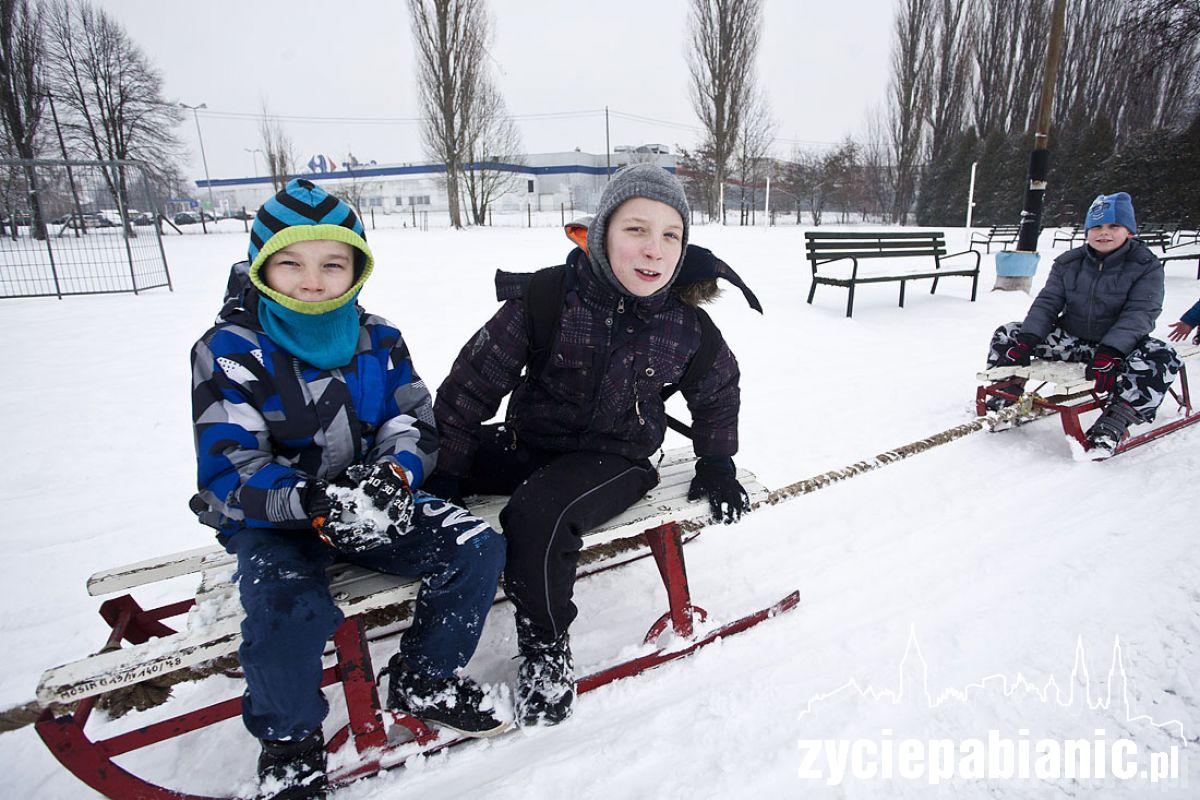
1014	386
293	770
1112	425
546	677
456	702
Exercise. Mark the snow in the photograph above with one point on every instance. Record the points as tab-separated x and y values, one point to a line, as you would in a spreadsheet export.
996	561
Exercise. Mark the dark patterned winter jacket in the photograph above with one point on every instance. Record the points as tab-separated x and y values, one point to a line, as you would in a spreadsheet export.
599	390
265	421
1113	301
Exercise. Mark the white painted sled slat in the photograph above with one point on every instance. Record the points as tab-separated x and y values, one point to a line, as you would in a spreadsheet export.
214	624
676	465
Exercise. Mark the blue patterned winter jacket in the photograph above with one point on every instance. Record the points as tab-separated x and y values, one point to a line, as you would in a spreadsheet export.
265	421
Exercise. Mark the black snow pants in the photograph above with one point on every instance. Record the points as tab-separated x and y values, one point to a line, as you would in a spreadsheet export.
556	498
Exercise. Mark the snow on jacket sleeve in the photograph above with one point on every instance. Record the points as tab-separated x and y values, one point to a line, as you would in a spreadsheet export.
1141	309
1192	315
714	404
408	432
237	474
1048	305
485	371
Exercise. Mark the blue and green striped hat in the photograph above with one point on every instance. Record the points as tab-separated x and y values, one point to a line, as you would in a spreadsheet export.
301	212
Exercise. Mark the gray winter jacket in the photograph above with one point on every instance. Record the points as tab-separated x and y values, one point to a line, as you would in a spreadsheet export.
1113	301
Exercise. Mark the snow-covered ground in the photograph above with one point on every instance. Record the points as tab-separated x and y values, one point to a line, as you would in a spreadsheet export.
996	555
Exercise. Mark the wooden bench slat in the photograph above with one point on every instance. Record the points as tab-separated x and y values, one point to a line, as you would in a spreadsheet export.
187	562
213	626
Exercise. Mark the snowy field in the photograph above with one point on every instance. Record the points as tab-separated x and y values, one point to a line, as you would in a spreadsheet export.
993	557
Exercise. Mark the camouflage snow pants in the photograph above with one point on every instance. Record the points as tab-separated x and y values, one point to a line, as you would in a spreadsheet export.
1146	373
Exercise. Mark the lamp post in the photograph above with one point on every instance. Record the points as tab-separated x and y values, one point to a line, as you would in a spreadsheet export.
253	158
204	159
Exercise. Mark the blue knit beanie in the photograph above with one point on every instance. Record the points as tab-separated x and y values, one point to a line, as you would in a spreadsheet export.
1111	208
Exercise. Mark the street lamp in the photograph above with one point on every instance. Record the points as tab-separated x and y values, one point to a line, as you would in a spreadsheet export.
203	158
253	158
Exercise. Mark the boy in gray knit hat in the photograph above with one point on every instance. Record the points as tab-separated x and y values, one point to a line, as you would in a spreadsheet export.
586	416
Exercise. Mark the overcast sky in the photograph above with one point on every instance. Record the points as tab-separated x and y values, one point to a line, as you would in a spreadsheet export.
823	64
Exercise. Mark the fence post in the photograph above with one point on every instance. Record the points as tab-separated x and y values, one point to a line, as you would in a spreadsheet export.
50	251
562	214
528	216
490	222
414	214
245	220
126	226
372	219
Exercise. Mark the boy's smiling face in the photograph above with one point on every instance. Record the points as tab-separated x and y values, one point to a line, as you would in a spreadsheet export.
1107	237
311	271
644	241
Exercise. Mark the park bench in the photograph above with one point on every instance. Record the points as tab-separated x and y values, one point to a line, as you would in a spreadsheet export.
1160	239
1069	235
141	647
1057	387
824	249
1002	234
1193	252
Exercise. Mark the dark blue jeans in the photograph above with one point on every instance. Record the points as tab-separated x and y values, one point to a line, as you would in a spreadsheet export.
290	614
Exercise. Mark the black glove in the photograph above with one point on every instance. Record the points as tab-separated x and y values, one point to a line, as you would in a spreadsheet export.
447	487
716	479
1018	354
1105	367
340	513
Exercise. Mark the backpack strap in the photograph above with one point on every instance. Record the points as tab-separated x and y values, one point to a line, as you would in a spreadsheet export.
700	365
543	309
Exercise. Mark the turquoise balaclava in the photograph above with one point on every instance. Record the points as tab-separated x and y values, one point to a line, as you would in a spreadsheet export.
323	333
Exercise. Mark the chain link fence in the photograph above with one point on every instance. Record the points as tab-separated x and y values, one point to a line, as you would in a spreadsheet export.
79	227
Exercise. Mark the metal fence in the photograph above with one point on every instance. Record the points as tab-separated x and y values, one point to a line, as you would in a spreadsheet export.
78	227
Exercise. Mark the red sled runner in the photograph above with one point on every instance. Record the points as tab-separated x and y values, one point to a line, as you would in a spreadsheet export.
1056	387
142	647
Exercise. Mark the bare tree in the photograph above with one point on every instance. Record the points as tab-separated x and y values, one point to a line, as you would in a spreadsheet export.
722	48
278	150
876	160
112	94
908	98
22	91
491	135
450	38
949	75
754	140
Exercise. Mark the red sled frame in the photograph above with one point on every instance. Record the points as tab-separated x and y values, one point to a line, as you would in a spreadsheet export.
367	729
1070	412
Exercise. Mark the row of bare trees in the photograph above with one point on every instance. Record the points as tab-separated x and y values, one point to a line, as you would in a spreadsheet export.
466	125
970	70
107	96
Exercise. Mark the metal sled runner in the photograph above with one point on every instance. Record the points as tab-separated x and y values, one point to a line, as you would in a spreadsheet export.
141	647
1075	396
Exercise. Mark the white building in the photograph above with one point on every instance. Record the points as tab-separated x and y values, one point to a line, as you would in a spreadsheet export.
543	182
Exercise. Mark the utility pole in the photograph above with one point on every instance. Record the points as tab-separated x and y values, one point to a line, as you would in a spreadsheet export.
1014	270
971	195
196	116
607	149
253	151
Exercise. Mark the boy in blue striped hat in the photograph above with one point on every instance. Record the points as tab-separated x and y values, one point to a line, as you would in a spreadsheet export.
313	436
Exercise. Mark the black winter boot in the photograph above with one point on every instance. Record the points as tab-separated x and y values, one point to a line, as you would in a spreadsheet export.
293	770
456	702
1112	425
546	677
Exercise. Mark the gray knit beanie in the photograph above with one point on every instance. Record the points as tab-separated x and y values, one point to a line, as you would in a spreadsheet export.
636	180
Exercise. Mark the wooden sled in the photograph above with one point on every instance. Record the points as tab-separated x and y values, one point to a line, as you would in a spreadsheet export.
1057	387
141	646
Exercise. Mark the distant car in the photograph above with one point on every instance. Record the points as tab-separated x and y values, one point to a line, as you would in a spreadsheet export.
143	218
241	214
89	219
185	218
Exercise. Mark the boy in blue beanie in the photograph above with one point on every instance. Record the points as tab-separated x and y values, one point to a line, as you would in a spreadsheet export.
1099	306
313	437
